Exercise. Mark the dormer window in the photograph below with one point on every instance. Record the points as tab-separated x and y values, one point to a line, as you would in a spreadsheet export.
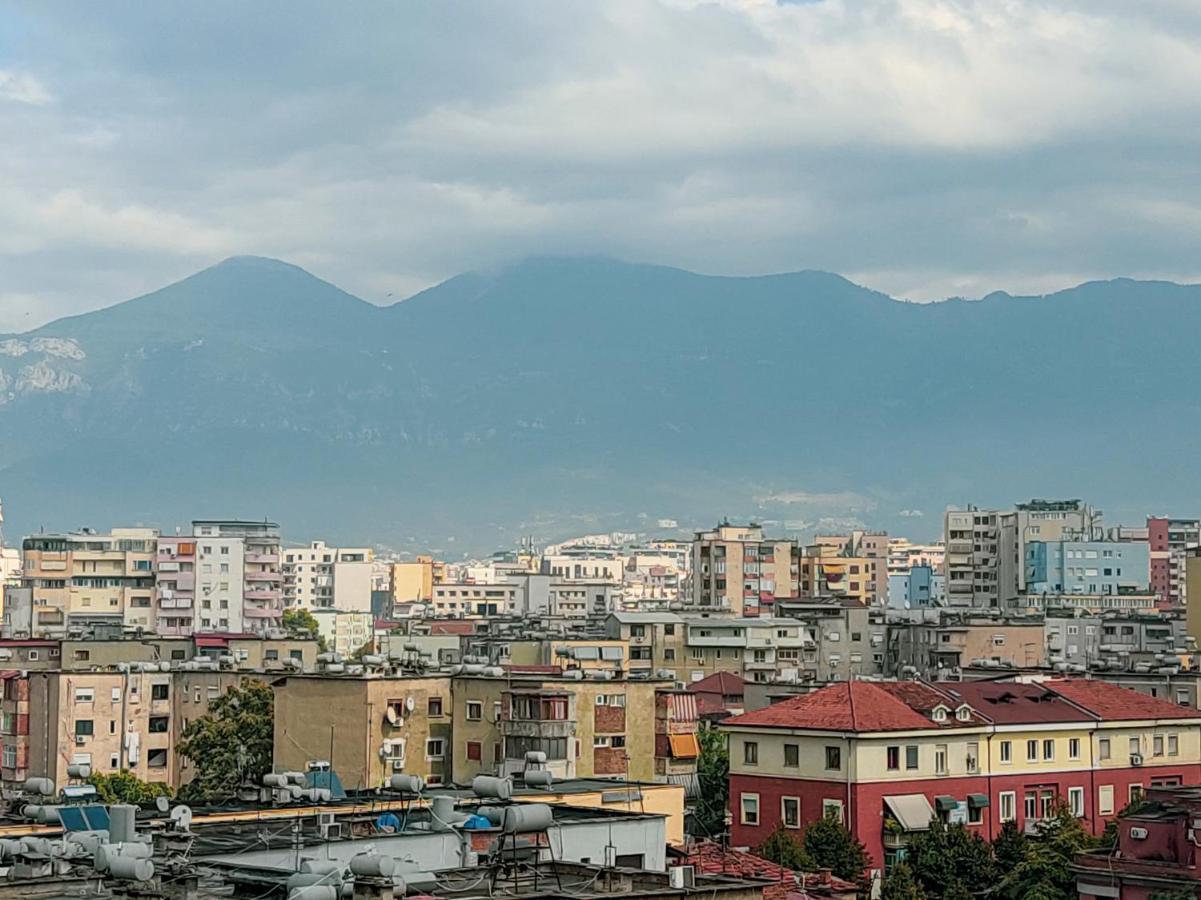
964	713
939	714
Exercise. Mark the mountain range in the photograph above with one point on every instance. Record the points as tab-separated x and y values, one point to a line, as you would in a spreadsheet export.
558	396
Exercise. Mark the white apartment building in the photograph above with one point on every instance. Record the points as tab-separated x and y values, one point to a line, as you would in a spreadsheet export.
220	562
324	577
256	580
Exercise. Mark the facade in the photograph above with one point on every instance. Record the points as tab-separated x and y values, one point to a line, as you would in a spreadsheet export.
920	586
258	581
1087	567
175	585
656	641
345	632
321	577
736	570
938	647
413	582
463	600
888	757
977	540
1168	542
903	555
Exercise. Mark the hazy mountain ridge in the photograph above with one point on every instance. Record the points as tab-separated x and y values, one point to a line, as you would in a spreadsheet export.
514	399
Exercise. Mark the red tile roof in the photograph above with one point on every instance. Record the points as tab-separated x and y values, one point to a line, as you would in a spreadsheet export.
1011	703
458	626
845	706
710	858
719	683
1109	701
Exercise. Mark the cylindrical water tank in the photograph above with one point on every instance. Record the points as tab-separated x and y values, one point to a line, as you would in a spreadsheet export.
129	868
535	757
10	848
275	780
121	823
372	865
295	777
494	814
539	778
47	815
43	786
303	879
372	660
527	817
494	788
315	892
494	671
316	795
89	840
442	810
410	784
335	668
79	770
320	866
106	853
294	791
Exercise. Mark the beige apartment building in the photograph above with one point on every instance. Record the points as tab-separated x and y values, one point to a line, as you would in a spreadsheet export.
413	582
322	577
735	569
82	579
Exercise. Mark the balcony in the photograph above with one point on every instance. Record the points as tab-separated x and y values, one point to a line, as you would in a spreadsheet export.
263	576
261	612
265	559
264	594
542	728
177	602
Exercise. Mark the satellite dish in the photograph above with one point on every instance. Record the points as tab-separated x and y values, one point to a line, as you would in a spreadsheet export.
182	817
162	804
410	704
391	715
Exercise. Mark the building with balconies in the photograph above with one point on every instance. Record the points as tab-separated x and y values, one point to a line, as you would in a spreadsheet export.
254	581
323	577
736	570
175	585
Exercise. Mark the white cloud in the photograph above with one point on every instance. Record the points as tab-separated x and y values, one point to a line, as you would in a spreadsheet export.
22	87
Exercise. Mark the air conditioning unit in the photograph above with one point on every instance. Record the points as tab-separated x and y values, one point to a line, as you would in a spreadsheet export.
682	877
398	765
1136	759
80	740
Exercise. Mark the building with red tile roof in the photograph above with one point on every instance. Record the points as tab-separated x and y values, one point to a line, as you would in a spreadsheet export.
888	757
710	858
719	695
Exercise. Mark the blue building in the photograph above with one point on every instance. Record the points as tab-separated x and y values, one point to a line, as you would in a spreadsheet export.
920	586
1087	567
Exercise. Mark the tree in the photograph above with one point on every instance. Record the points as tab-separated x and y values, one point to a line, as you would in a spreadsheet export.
830	846
1045	873
950	858
782	848
901	885
300	623
713	773
125	787
1009	847
230	744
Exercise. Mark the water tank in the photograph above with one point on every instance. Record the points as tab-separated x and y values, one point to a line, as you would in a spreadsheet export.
328	657
494	671
315	892
473	669
409	784
319	867
88	841
295	777
535	757
444	814
335	668
494	814
121	822
316	795
539	778
305	879
10	848
130	868
275	780
527	817
106	853
372	660
372	865
492	788
43	786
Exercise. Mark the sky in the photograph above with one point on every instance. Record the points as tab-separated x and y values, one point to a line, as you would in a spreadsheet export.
927	148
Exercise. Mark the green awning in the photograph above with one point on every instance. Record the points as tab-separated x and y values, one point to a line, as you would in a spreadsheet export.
945	804
977	800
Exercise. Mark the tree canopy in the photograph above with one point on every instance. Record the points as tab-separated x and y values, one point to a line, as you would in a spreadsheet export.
713	772
950	858
230	744
300	623
125	787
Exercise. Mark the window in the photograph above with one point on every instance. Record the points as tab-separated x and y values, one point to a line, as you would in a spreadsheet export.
893	755
1006	751
1136	792
1049	748
84	728
973	757
1103	748
1031	751
975	814
84	695
159	691
911	756
435	748
82	655
790	812
1076	801
475	710
832	809
1173	745
1073	748
1007	800
1157	745
750	753
833	758
1030	805
792	755
475	751
940	759
749	807
1135	746
1105	800
435	706
159	724
156	759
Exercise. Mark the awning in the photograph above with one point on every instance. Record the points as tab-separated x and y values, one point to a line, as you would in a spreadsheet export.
945	804
913	812
684	746
976	801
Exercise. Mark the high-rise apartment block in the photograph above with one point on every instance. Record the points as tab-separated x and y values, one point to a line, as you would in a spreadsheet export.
323	577
735	569
239	564
1169	539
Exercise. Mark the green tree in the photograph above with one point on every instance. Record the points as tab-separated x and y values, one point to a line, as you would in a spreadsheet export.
231	744
1009	847
782	848
1045	873
300	623
949	858
830	846
125	787
901	885
713	773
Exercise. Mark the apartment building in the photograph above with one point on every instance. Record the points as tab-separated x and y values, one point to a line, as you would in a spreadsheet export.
735	569
413	582
584	566
870	552
175	585
889	757
918	587
977	541
84	579
656	641
239	580
323	577
1086	567
939	646
1169	541
345	632
464	599
825	571
903	555
1116	642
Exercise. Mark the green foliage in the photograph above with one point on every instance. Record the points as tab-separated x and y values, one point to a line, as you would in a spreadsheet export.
300	623
782	848
366	650
713	772
830	846
901	885
125	787
1044	873
1009	847
231	744
950	859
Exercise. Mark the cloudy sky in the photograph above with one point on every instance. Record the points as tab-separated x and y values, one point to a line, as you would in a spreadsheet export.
923	147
